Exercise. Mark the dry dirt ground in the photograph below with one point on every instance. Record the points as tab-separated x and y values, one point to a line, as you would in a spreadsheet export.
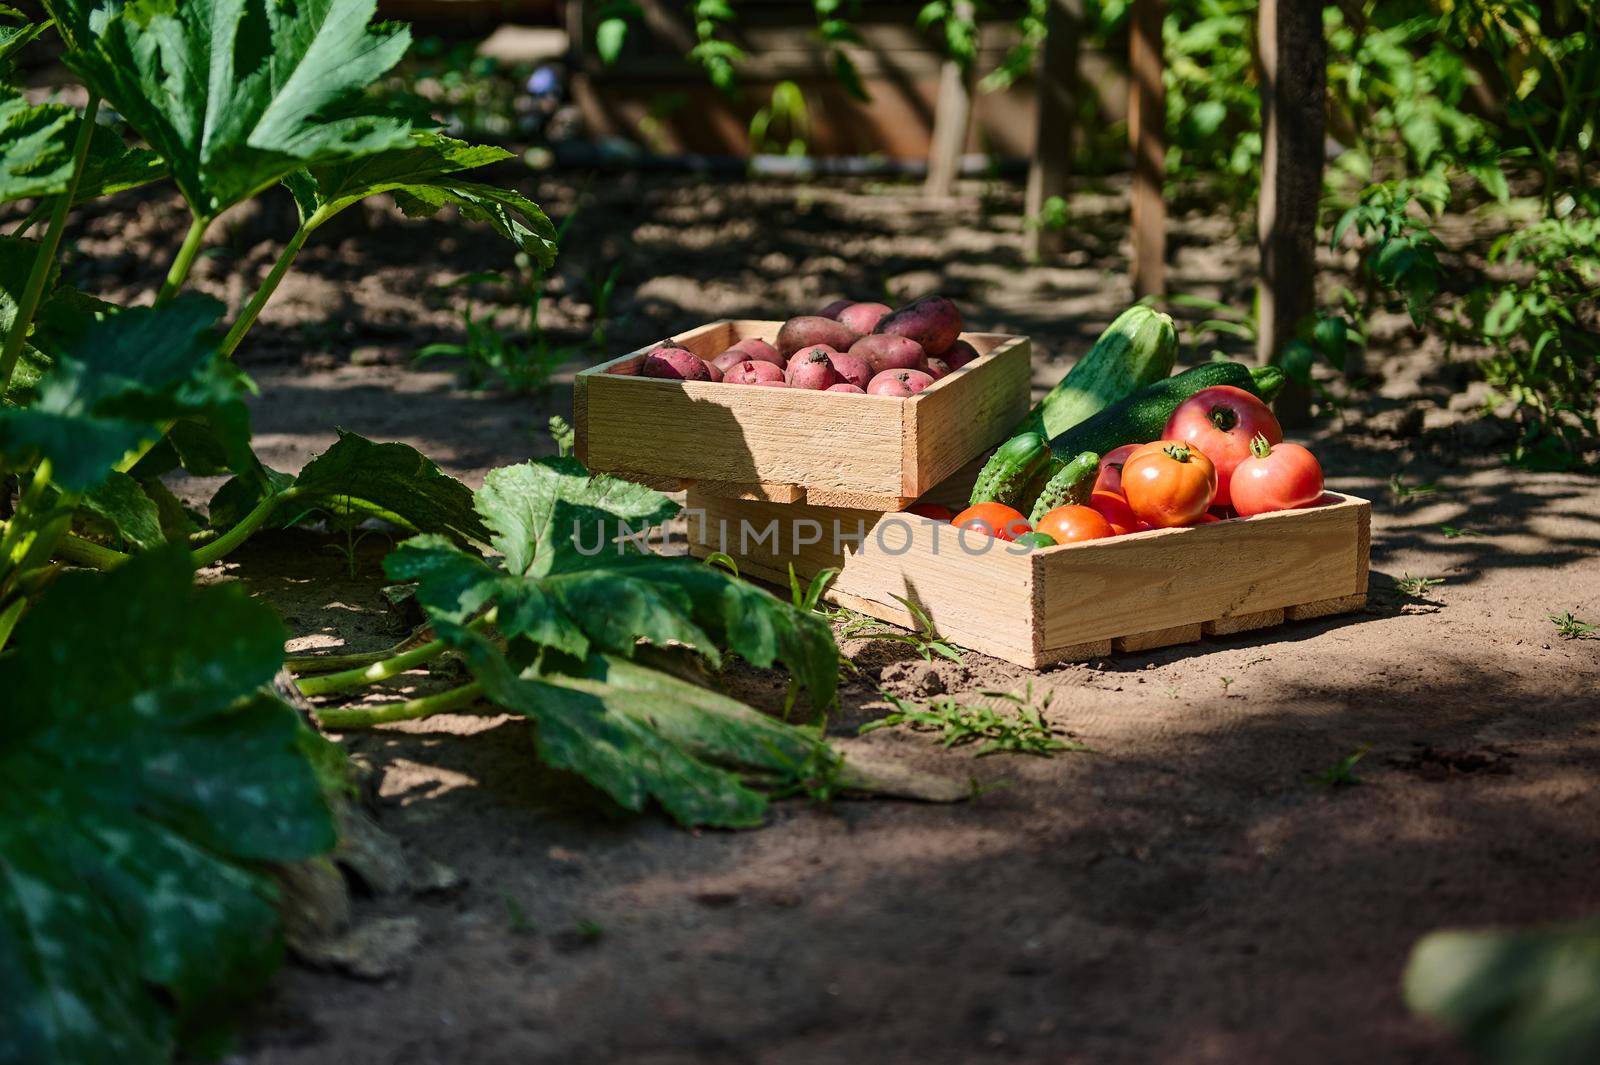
1187	892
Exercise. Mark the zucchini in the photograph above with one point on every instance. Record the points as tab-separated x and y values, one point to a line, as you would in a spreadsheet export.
1008	470
1137	349
1071	484
1142	416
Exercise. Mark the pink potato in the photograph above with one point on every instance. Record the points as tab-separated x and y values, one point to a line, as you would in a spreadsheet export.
932	321
759	349
805	354
715	371
846	386
730	358
811	330
675	364
852	369
752	372
832	310
889	353
900	383
863	317
960	354
811	369
938	369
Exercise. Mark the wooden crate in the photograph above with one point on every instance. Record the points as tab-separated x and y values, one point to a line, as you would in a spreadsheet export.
1066	603
791	445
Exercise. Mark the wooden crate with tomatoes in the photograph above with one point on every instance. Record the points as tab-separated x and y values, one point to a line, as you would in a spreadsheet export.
1131	509
858	406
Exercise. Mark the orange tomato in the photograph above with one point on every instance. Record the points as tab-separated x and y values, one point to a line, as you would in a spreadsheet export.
1110	476
1114	508
1070	524
996	519
1169	483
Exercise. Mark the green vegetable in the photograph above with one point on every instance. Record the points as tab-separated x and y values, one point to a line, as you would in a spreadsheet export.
1006	473
150	778
1137	349
1070	484
1035	539
1142	416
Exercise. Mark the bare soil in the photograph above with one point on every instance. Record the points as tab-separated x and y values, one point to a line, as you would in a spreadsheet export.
1187	892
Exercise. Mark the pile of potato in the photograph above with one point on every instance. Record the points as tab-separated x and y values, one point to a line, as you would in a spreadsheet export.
848	347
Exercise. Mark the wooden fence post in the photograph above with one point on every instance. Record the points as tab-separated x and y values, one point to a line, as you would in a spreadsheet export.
952	117
1147	134
1051	164
1294	74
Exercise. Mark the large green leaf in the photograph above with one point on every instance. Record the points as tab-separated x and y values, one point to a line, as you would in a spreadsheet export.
147	777
118	382
354	480
1516	998
424	176
14	37
122	503
238	94
36	142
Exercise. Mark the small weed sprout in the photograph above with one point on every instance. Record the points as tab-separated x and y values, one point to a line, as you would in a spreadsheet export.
1416	587
1570	627
1343	772
1400	492
1015	726
1451	532
925	639
563	434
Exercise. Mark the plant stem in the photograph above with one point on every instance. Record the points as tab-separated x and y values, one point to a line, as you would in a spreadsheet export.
330	683
269	285
186	255
88	553
46	257
241	531
366	717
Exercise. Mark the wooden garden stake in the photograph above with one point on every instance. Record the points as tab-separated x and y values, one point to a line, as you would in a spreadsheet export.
1052	146
1147	120
1293	59
952	117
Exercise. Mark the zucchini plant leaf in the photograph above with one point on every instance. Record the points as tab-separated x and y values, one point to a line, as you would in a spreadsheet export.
122	503
149	775
354	480
423	177
15	37
118	381
36	143
571	580
238	94
1515	997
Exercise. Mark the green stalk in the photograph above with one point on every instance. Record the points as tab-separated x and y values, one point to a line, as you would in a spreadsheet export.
33	291
340	720
328	663
269	285
241	530
88	553
17	527
180	265
9	618
330	683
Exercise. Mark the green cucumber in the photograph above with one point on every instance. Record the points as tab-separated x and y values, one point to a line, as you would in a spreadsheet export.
1137	349
1006	474
1141	417
1071	484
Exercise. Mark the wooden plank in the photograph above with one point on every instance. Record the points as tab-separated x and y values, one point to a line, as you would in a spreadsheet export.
1081	652
1237	623
1147	119
982	601
956	419
751	436
1149	641
829	497
1057	87
1191	576
1293	66
772	493
1323	608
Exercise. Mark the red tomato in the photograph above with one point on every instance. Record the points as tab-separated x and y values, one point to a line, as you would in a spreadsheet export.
932	510
1069	524
1114	508
996	519
1168	483
1221	421
1110	476
1276	478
